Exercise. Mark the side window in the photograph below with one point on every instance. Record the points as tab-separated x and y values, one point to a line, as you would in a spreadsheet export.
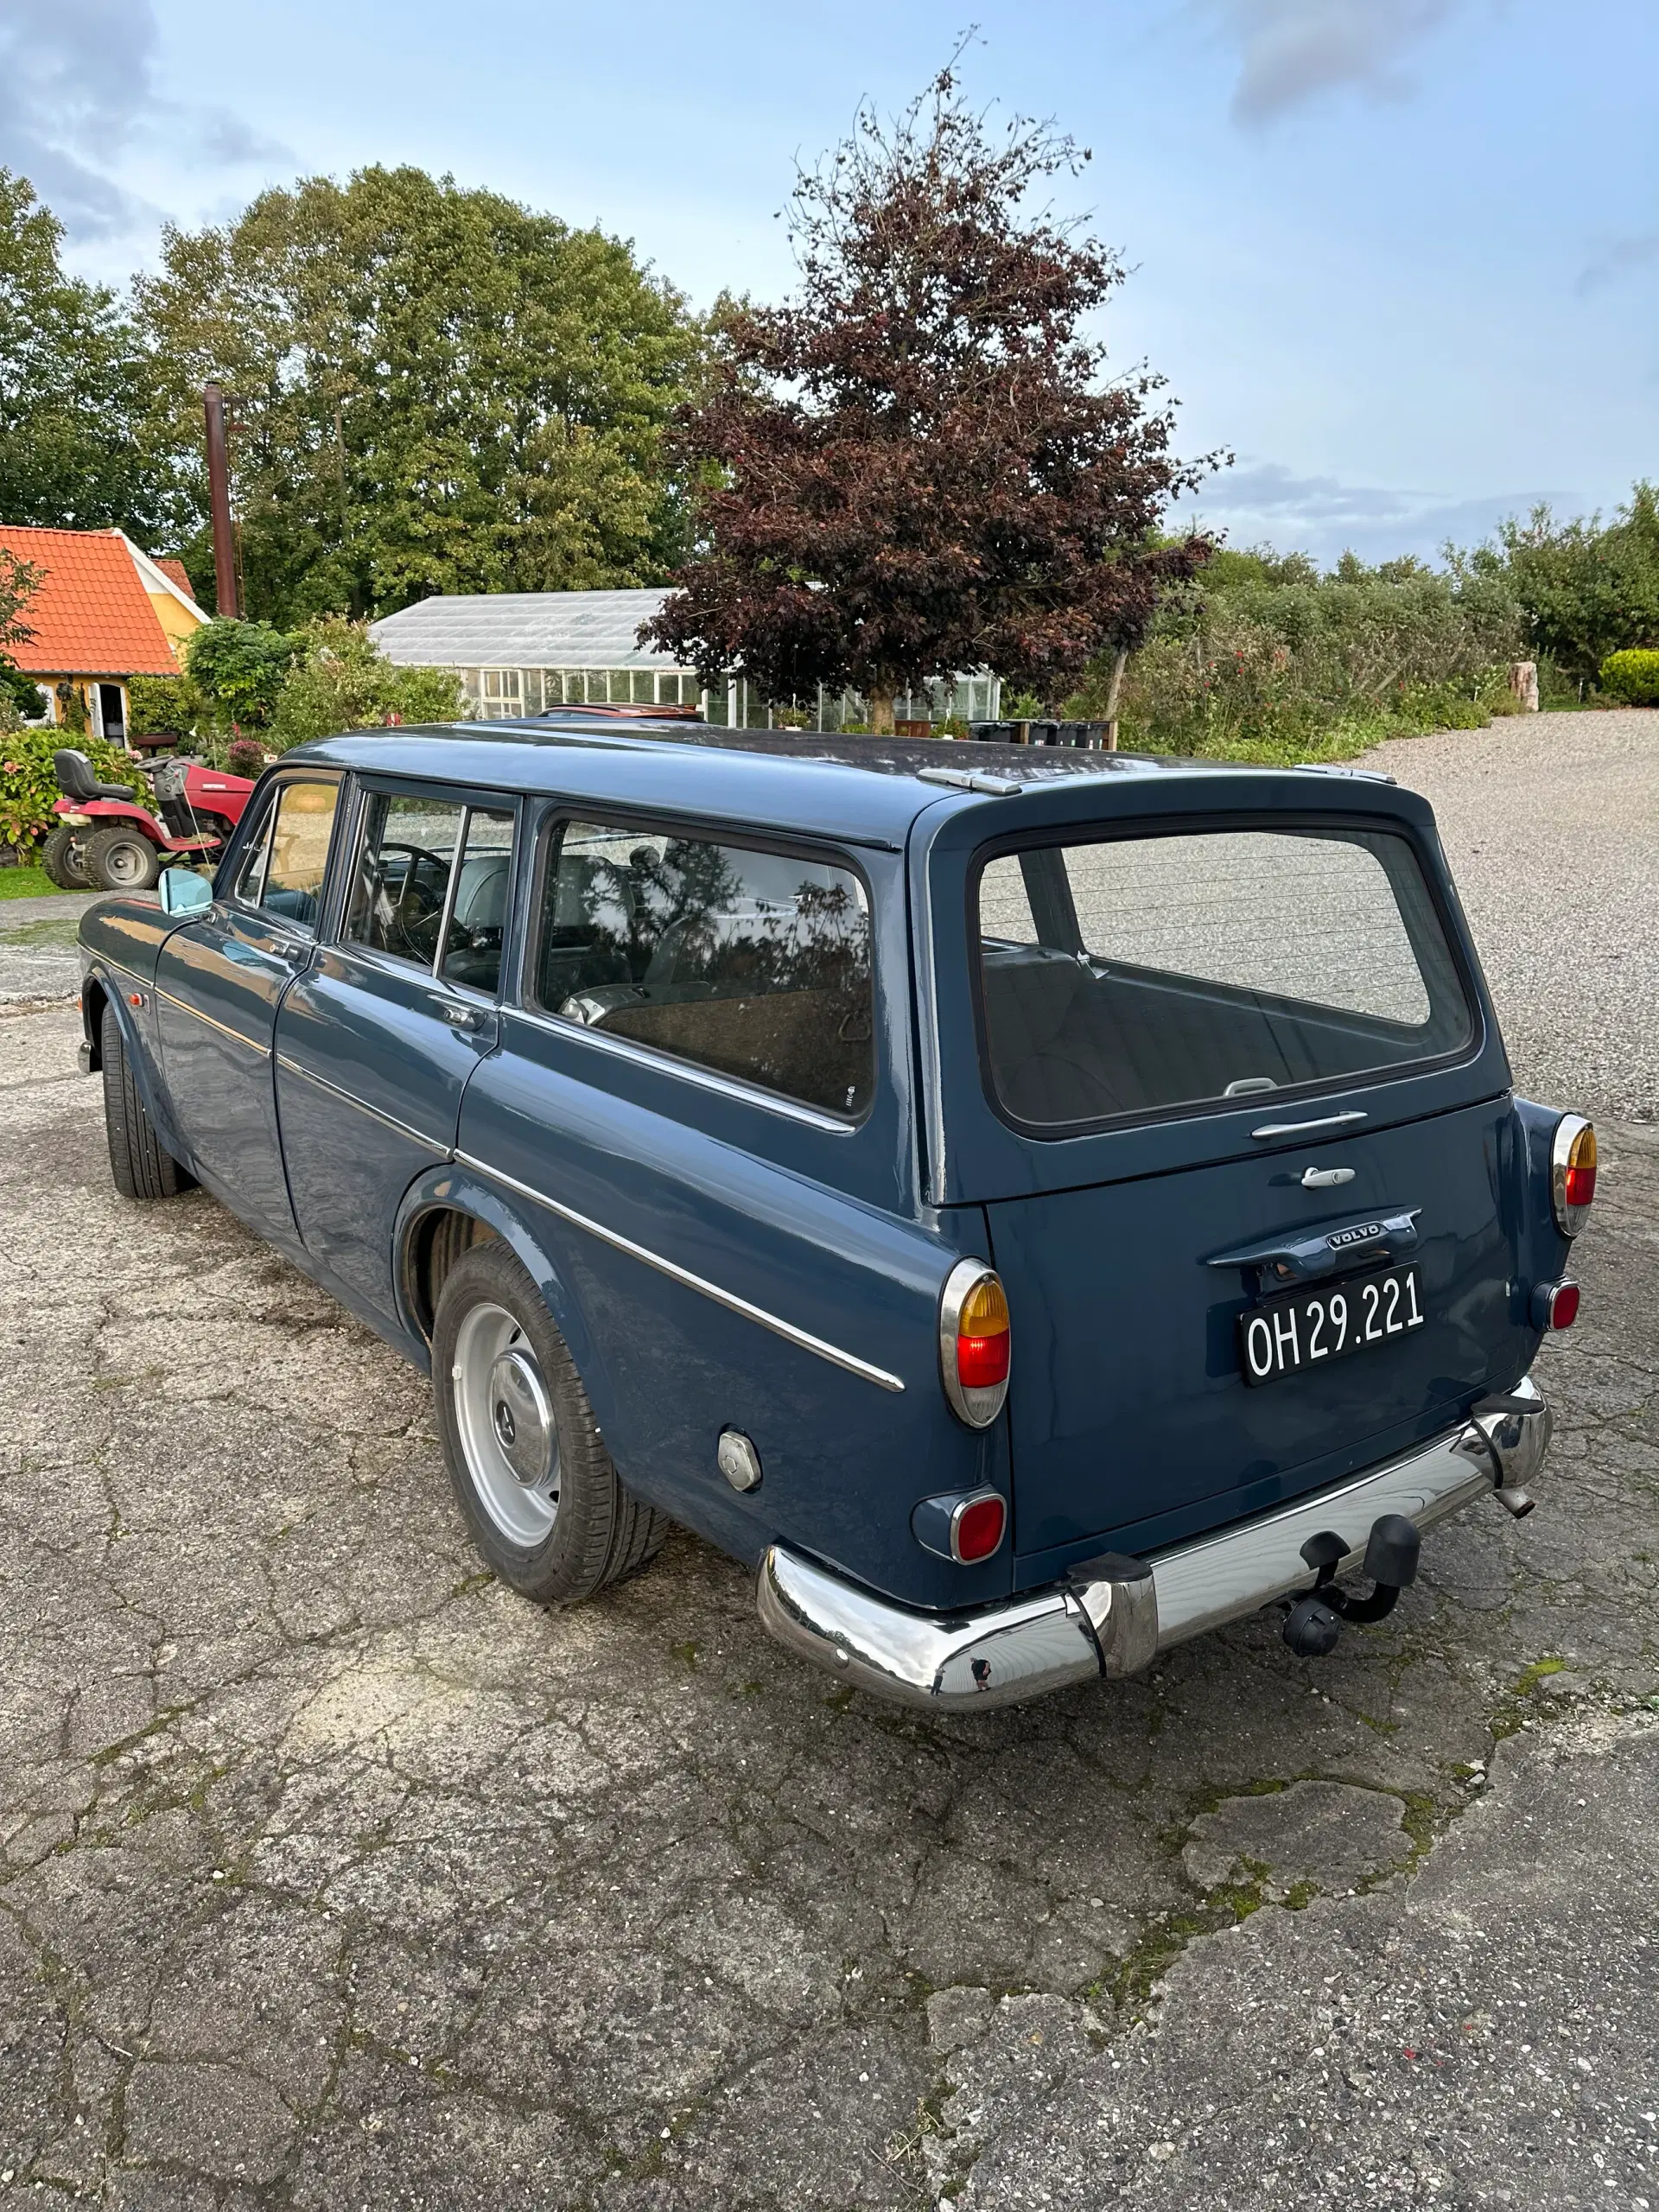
471	952
401	882
301	825
756	964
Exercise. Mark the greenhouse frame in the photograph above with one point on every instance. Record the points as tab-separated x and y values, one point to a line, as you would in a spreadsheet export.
520	654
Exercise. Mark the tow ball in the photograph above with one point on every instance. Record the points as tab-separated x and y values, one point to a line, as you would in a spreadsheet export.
1315	1621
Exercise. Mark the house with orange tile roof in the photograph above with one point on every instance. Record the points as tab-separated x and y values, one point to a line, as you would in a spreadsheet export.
103	611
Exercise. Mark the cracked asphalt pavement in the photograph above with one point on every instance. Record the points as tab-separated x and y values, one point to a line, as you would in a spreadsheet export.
333	1875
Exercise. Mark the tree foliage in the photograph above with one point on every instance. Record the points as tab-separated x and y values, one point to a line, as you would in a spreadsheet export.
436	389
1588	589
341	681
76	379
916	465
239	669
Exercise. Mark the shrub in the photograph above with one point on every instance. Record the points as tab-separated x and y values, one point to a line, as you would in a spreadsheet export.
240	669
1632	675
163	706
28	784
246	756
343	681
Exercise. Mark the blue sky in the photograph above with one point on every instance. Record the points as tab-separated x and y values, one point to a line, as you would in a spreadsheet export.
1401	256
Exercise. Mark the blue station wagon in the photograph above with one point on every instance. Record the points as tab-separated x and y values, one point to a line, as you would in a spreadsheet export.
1030	1206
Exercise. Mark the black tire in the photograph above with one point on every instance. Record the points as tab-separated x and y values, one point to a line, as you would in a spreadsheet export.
122	859
140	1164
599	1531
61	857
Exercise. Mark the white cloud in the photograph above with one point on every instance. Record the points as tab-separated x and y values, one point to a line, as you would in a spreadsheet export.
1266	504
79	90
1623	255
1294	51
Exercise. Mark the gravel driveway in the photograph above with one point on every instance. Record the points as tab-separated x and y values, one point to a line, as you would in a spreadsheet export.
334	1876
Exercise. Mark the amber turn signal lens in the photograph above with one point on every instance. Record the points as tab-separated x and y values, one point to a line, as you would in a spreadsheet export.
978	1531
983	1336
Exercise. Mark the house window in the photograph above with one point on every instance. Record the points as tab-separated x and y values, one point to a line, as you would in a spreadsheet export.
502	694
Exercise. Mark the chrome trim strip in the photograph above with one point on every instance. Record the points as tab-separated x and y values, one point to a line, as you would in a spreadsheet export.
728	1298
1109	1614
1298	1128
224	1027
727	1086
349	1098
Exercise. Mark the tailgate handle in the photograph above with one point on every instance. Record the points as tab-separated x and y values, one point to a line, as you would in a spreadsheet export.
1301	1258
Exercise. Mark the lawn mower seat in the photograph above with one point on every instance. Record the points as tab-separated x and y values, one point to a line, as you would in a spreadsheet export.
76	780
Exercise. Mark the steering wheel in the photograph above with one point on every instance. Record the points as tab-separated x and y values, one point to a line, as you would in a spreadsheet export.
415	916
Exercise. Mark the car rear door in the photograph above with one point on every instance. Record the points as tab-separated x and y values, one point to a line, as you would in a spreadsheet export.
1226	1056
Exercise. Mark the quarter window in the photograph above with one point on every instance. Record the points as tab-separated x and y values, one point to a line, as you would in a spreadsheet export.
754	963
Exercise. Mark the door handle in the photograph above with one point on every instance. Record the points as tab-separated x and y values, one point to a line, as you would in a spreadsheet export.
463	1017
296	955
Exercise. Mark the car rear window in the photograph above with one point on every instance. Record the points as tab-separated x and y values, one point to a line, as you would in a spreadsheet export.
754	963
1129	976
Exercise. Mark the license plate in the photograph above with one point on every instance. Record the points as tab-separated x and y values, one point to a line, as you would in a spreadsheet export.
1287	1335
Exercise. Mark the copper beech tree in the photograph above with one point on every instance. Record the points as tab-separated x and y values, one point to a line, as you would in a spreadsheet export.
917	465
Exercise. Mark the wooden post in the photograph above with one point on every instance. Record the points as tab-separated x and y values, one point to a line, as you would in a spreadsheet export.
1523	683
218	497
1119	663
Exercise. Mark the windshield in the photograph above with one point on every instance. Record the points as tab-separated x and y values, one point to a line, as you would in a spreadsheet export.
1130	975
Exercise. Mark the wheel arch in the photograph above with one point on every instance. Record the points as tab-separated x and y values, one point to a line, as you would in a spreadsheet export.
443	1214
98	991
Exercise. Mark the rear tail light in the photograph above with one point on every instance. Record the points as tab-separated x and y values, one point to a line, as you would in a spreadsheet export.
1555	1305
1572	1166
974	1344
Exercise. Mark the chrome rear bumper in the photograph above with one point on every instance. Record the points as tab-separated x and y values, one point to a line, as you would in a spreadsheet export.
1111	1615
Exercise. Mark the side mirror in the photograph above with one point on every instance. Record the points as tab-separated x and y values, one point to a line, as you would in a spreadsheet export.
184	892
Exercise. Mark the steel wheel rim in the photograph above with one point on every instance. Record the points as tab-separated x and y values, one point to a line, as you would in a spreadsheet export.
509	1433
126	860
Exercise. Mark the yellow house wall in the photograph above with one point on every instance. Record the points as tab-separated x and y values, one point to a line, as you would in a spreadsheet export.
177	622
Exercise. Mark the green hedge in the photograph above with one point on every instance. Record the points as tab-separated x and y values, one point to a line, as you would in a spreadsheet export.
1632	675
27	785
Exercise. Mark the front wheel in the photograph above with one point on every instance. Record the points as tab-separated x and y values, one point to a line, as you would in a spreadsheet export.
62	858
140	1164
123	859
547	1508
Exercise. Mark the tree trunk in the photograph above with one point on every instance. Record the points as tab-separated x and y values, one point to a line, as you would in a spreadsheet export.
1523	683
880	707
1119	663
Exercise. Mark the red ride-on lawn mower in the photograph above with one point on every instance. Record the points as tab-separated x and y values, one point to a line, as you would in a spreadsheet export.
105	841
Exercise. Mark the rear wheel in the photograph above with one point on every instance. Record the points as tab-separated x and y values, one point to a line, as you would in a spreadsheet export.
122	859
548	1508
61	857
140	1164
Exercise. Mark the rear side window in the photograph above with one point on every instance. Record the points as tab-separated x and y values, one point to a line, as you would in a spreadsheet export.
1130	975
754	963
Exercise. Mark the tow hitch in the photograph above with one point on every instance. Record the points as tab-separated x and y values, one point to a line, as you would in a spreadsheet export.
1315	1621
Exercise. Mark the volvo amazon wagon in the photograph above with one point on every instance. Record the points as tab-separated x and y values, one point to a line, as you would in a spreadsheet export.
1029	1206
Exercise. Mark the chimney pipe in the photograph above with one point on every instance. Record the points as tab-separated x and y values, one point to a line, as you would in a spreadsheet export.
219	496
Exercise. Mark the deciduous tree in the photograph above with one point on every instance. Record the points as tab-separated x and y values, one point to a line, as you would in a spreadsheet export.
917	464
75	391
435	389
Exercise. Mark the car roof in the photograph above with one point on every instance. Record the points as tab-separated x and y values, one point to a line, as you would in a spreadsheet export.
862	790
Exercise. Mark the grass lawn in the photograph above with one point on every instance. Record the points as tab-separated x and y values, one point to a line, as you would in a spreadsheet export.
27	883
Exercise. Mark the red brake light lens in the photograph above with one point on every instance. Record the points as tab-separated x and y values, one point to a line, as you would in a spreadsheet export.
983	1336
1579	1183
978	1528
1564	1306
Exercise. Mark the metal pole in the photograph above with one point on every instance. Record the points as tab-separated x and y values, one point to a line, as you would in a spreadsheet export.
219	497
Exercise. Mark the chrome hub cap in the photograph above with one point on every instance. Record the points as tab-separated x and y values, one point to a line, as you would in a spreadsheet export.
508	1432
